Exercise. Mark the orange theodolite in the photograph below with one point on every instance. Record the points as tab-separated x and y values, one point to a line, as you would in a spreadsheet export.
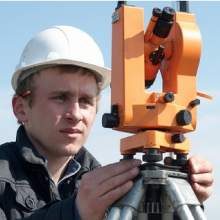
171	43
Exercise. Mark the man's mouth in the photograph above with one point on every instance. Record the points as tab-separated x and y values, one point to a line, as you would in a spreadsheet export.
71	132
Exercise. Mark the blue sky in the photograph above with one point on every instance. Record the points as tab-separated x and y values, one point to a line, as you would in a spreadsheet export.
20	21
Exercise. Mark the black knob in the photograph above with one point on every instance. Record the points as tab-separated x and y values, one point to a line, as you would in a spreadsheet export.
168	14
181	160
184	117
110	120
178	138
169	97
195	103
156	12
152	155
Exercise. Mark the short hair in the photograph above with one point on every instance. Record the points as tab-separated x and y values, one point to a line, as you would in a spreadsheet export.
28	84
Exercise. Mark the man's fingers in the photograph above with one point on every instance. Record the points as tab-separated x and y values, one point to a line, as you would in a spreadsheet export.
199	165
202	191
101	187
115	194
204	179
104	173
117	181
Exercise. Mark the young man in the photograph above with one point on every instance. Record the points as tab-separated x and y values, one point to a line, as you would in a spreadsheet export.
47	173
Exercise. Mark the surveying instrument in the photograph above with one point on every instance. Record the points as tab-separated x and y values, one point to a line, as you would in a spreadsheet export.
171	44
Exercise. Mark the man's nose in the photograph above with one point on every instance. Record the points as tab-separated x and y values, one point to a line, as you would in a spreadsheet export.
73	112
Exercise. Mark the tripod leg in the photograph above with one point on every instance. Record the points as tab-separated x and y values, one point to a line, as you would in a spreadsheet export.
181	195
130	201
184	213
114	214
127	213
198	213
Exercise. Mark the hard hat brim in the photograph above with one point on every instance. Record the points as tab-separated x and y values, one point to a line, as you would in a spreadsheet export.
99	72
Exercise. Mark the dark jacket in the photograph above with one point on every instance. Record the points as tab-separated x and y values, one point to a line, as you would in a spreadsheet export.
27	190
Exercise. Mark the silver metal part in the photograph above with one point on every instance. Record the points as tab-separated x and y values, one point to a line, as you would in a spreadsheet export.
127	213
180	192
134	196
114	214
176	195
197	212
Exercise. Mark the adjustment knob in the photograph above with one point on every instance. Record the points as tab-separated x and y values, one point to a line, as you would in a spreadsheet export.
178	138
110	120
194	103
184	117
168	97
156	12
152	155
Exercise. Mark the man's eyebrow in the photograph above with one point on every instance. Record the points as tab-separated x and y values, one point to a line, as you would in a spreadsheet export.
64	92
58	92
89	96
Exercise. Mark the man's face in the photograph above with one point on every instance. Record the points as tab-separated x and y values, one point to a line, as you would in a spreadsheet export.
64	109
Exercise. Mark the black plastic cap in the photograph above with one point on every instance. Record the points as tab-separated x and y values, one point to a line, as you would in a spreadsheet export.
169	97
156	12
168	14
195	103
110	120
178	138
184	117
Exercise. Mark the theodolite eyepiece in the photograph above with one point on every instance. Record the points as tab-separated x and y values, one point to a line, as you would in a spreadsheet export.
164	23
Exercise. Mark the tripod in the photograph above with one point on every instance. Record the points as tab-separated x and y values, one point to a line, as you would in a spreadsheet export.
169	192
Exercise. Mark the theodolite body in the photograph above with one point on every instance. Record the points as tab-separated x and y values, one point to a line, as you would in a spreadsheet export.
154	114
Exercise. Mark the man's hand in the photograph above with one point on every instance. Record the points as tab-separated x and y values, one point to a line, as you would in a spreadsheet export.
101	187
201	176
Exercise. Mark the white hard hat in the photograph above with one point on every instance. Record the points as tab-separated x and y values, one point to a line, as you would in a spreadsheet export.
61	45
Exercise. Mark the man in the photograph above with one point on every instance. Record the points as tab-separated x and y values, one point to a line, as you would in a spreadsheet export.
47	173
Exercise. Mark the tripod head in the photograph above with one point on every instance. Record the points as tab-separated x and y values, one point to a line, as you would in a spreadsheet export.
171	44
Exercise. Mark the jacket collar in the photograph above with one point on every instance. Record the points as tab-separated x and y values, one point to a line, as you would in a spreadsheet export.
26	148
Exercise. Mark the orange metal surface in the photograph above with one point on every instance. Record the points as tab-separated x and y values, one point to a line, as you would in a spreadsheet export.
152	139
150	28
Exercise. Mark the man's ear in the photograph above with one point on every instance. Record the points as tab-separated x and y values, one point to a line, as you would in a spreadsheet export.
19	105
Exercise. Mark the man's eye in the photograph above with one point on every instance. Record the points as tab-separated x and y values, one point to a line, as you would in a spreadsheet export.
85	102
60	97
